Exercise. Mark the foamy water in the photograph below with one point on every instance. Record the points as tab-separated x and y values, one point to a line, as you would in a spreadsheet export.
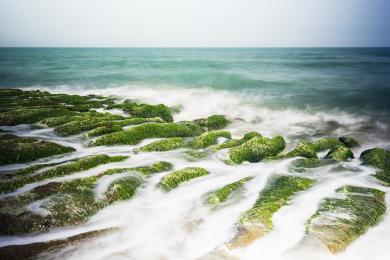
178	224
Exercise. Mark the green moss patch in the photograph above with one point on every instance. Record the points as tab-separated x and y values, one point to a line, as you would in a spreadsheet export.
15	149
340	153
145	110
236	142
59	171
31	115
214	122
256	221
209	138
339	221
256	149
70	202
222	194
153	130
164	145
175	178
379	158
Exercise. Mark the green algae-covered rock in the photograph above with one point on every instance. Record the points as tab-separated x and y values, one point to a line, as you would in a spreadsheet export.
349	142
236	142
327	143
379	158
214	122
59	171
340	153
146	110
164	145
257	221
152	130
15	149
222	194
31	115
302	164
196	155
173	179
339	221
107	129
209	138
256	149
304	149
70	202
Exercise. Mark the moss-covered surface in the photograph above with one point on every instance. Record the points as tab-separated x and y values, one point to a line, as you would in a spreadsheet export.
175	178
153	130
103	130
304	149
164	145
27	107
236	142
59	171
145	110
15	149
379	158
302	164
214	122
340	153
222	194
256	149
70	202
196	155
256	221
209	138
349	142
339	221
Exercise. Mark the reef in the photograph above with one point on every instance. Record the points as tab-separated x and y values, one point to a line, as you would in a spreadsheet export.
257	221
378	158
341	220
221	195
16	149
174	179
256	149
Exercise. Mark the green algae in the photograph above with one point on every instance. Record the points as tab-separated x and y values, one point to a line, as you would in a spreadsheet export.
222	194
209	138
59	171
146	110
339	221
257	221
349	142
196	155
70	202
236	142
214	122
107	129
152	130
164	145
256	149
340	153
15	149
379	158
175	178
31	115
304	149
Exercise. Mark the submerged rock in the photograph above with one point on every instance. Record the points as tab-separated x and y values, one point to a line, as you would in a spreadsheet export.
257	221
175	178
15	149
236	142
339	221
256	149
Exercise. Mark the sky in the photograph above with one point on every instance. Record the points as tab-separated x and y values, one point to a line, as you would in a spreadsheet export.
194	23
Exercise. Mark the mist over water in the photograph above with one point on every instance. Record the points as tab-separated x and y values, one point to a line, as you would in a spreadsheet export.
301	94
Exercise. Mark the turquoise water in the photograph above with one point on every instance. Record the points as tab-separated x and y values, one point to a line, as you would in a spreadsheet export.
356	80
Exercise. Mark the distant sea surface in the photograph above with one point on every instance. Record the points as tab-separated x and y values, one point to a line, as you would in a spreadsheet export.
353	80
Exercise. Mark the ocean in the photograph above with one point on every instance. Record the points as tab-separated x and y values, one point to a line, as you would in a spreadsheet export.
298	93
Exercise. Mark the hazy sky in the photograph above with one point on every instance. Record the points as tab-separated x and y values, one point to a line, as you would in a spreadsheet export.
151	23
